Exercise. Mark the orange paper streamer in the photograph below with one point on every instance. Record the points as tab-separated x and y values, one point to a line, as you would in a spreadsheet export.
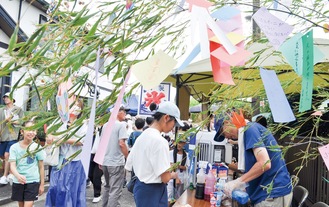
238	119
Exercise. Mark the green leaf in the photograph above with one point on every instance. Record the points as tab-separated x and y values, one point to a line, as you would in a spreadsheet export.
36	42
18	81
124	44
82	20
13	40
30	40
92	31
6	69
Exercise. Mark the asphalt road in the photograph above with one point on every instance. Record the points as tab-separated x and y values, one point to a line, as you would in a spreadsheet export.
126	200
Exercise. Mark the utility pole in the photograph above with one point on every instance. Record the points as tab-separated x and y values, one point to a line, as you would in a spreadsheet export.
256	34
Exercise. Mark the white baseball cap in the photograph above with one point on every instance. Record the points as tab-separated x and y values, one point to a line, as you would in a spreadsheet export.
172	110
8	95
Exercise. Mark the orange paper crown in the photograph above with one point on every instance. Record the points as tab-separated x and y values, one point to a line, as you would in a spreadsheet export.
238	119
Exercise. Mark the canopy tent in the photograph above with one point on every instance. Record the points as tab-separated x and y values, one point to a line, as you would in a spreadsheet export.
130	103
196	79
198	108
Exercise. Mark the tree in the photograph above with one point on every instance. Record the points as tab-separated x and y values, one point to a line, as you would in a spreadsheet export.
69	40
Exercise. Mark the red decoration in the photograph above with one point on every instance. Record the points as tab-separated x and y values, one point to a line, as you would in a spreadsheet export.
153	97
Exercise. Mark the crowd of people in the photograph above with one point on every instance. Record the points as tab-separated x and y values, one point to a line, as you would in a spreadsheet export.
147	149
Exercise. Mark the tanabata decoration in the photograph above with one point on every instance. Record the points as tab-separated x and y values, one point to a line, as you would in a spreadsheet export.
238	119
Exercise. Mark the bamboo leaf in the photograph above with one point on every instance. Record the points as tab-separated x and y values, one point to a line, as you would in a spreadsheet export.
93	29
13	40
36	42
82	20
18	81
30	40
6	69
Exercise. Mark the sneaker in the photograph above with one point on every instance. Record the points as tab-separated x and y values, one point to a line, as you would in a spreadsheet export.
3	180
10	178
97	199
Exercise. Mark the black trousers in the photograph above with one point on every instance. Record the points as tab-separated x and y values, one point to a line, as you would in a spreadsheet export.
95	176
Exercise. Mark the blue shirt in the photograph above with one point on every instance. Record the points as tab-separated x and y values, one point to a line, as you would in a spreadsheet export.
276	181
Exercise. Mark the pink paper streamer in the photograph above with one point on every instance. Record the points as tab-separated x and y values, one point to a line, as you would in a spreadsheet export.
99	156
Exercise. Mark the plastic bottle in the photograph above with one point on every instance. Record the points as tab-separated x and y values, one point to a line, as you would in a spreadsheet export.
220	184
212	200
219	198
200	179
240	196
191	172
210	185
201	176
222	171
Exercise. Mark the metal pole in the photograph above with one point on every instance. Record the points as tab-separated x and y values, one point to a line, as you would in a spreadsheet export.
178	86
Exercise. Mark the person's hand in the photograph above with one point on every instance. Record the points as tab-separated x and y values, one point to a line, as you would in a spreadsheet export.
21	179
8	119
41	190
49	139
232	185
231	141
173	175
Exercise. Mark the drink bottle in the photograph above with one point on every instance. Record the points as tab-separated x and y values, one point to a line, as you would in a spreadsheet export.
200	183
210	185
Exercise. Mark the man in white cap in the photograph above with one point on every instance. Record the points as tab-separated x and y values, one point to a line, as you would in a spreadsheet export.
9	116
150	158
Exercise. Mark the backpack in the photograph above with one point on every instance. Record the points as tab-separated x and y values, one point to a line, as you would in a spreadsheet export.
132	138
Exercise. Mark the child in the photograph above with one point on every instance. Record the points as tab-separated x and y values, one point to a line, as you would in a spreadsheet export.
139	123
175	187
26	164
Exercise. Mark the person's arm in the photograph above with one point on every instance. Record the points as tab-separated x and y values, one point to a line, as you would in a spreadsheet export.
42	177
167	176
21	178
231	141
72	141
129	162
182	167
123	147
263	164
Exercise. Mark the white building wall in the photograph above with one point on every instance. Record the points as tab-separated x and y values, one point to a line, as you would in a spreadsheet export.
29	19
3	38
29	14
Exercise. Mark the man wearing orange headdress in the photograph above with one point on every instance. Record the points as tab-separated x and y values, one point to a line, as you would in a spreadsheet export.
265	177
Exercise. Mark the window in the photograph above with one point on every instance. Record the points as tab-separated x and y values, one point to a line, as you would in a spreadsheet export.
42	19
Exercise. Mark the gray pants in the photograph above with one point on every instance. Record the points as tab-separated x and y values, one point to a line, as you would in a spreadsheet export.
284	201
114	177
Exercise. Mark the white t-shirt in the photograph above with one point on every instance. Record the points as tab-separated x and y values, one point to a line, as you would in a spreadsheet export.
68	150
149	157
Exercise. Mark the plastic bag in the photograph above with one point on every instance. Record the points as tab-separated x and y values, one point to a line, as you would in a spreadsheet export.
52	155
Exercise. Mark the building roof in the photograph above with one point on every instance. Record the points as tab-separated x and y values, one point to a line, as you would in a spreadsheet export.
7	24
40	4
